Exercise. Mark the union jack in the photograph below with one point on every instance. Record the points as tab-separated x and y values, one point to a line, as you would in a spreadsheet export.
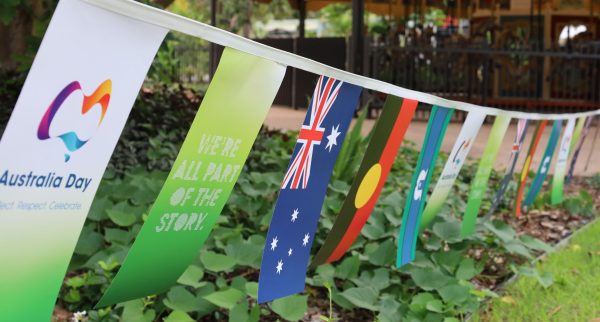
324	96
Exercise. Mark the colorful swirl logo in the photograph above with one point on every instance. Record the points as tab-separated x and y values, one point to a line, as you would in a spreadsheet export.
72	142
461	151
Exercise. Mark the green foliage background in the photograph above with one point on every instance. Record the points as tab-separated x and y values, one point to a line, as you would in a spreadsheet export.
443	284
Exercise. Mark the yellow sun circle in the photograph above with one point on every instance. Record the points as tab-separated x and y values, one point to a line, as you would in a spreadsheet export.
367	186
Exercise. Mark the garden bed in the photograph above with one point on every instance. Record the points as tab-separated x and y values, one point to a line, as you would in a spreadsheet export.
450	278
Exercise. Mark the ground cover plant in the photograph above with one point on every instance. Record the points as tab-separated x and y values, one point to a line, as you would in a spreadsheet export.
449	280
574	295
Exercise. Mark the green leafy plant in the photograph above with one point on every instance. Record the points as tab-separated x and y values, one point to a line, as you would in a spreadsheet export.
447	281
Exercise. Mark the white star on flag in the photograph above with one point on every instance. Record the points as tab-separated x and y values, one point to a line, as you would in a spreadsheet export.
332	138
279	266
290	252
305	239
295	215
274	243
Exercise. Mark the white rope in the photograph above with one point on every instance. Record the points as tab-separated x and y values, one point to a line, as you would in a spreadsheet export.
194	28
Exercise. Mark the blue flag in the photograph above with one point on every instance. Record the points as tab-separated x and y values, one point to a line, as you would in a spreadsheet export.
411	216
540	177
297	211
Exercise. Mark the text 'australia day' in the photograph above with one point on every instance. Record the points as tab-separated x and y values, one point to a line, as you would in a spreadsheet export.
47	180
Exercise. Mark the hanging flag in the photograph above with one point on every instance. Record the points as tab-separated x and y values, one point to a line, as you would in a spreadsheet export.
561	163
585	131
479	183
589	158
581	121
512	162
535	140
298	207
203	175
372	174
540	177
62	132
411	216
456	159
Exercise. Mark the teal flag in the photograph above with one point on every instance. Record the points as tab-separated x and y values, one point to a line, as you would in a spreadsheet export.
542	172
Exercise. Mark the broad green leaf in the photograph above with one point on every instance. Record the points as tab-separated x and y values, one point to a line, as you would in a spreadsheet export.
291	308
98	209
447	231
384	253
252	289
122	214
432	243
118	236
239	312
348	268
454	293
430	279
466	269
364	297
323	274
449	260
389	310
393	200
192	276
501	229
226	299
516	247
435	306
377	279
178	298
89	242
178	316
216	262
338	299
239	282
134	311
204	306
244	252
419	302
534	243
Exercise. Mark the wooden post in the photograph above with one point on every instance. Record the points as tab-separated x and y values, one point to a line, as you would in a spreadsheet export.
357	41
302	13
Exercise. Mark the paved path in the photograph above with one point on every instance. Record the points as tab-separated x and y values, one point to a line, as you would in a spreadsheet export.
286	118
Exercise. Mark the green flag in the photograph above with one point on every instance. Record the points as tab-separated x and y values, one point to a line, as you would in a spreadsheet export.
204	173
560	168
479	185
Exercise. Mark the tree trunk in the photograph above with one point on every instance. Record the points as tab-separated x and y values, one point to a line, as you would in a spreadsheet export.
13	38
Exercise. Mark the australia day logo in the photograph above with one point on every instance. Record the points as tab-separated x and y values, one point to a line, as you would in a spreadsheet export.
71	140
461	152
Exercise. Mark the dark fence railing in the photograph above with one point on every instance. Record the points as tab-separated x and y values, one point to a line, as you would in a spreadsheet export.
550	81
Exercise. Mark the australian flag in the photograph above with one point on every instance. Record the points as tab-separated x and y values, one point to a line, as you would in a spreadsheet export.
291	233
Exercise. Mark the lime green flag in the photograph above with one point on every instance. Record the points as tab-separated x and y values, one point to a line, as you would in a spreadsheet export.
203	175
560	168
479	185
576	134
